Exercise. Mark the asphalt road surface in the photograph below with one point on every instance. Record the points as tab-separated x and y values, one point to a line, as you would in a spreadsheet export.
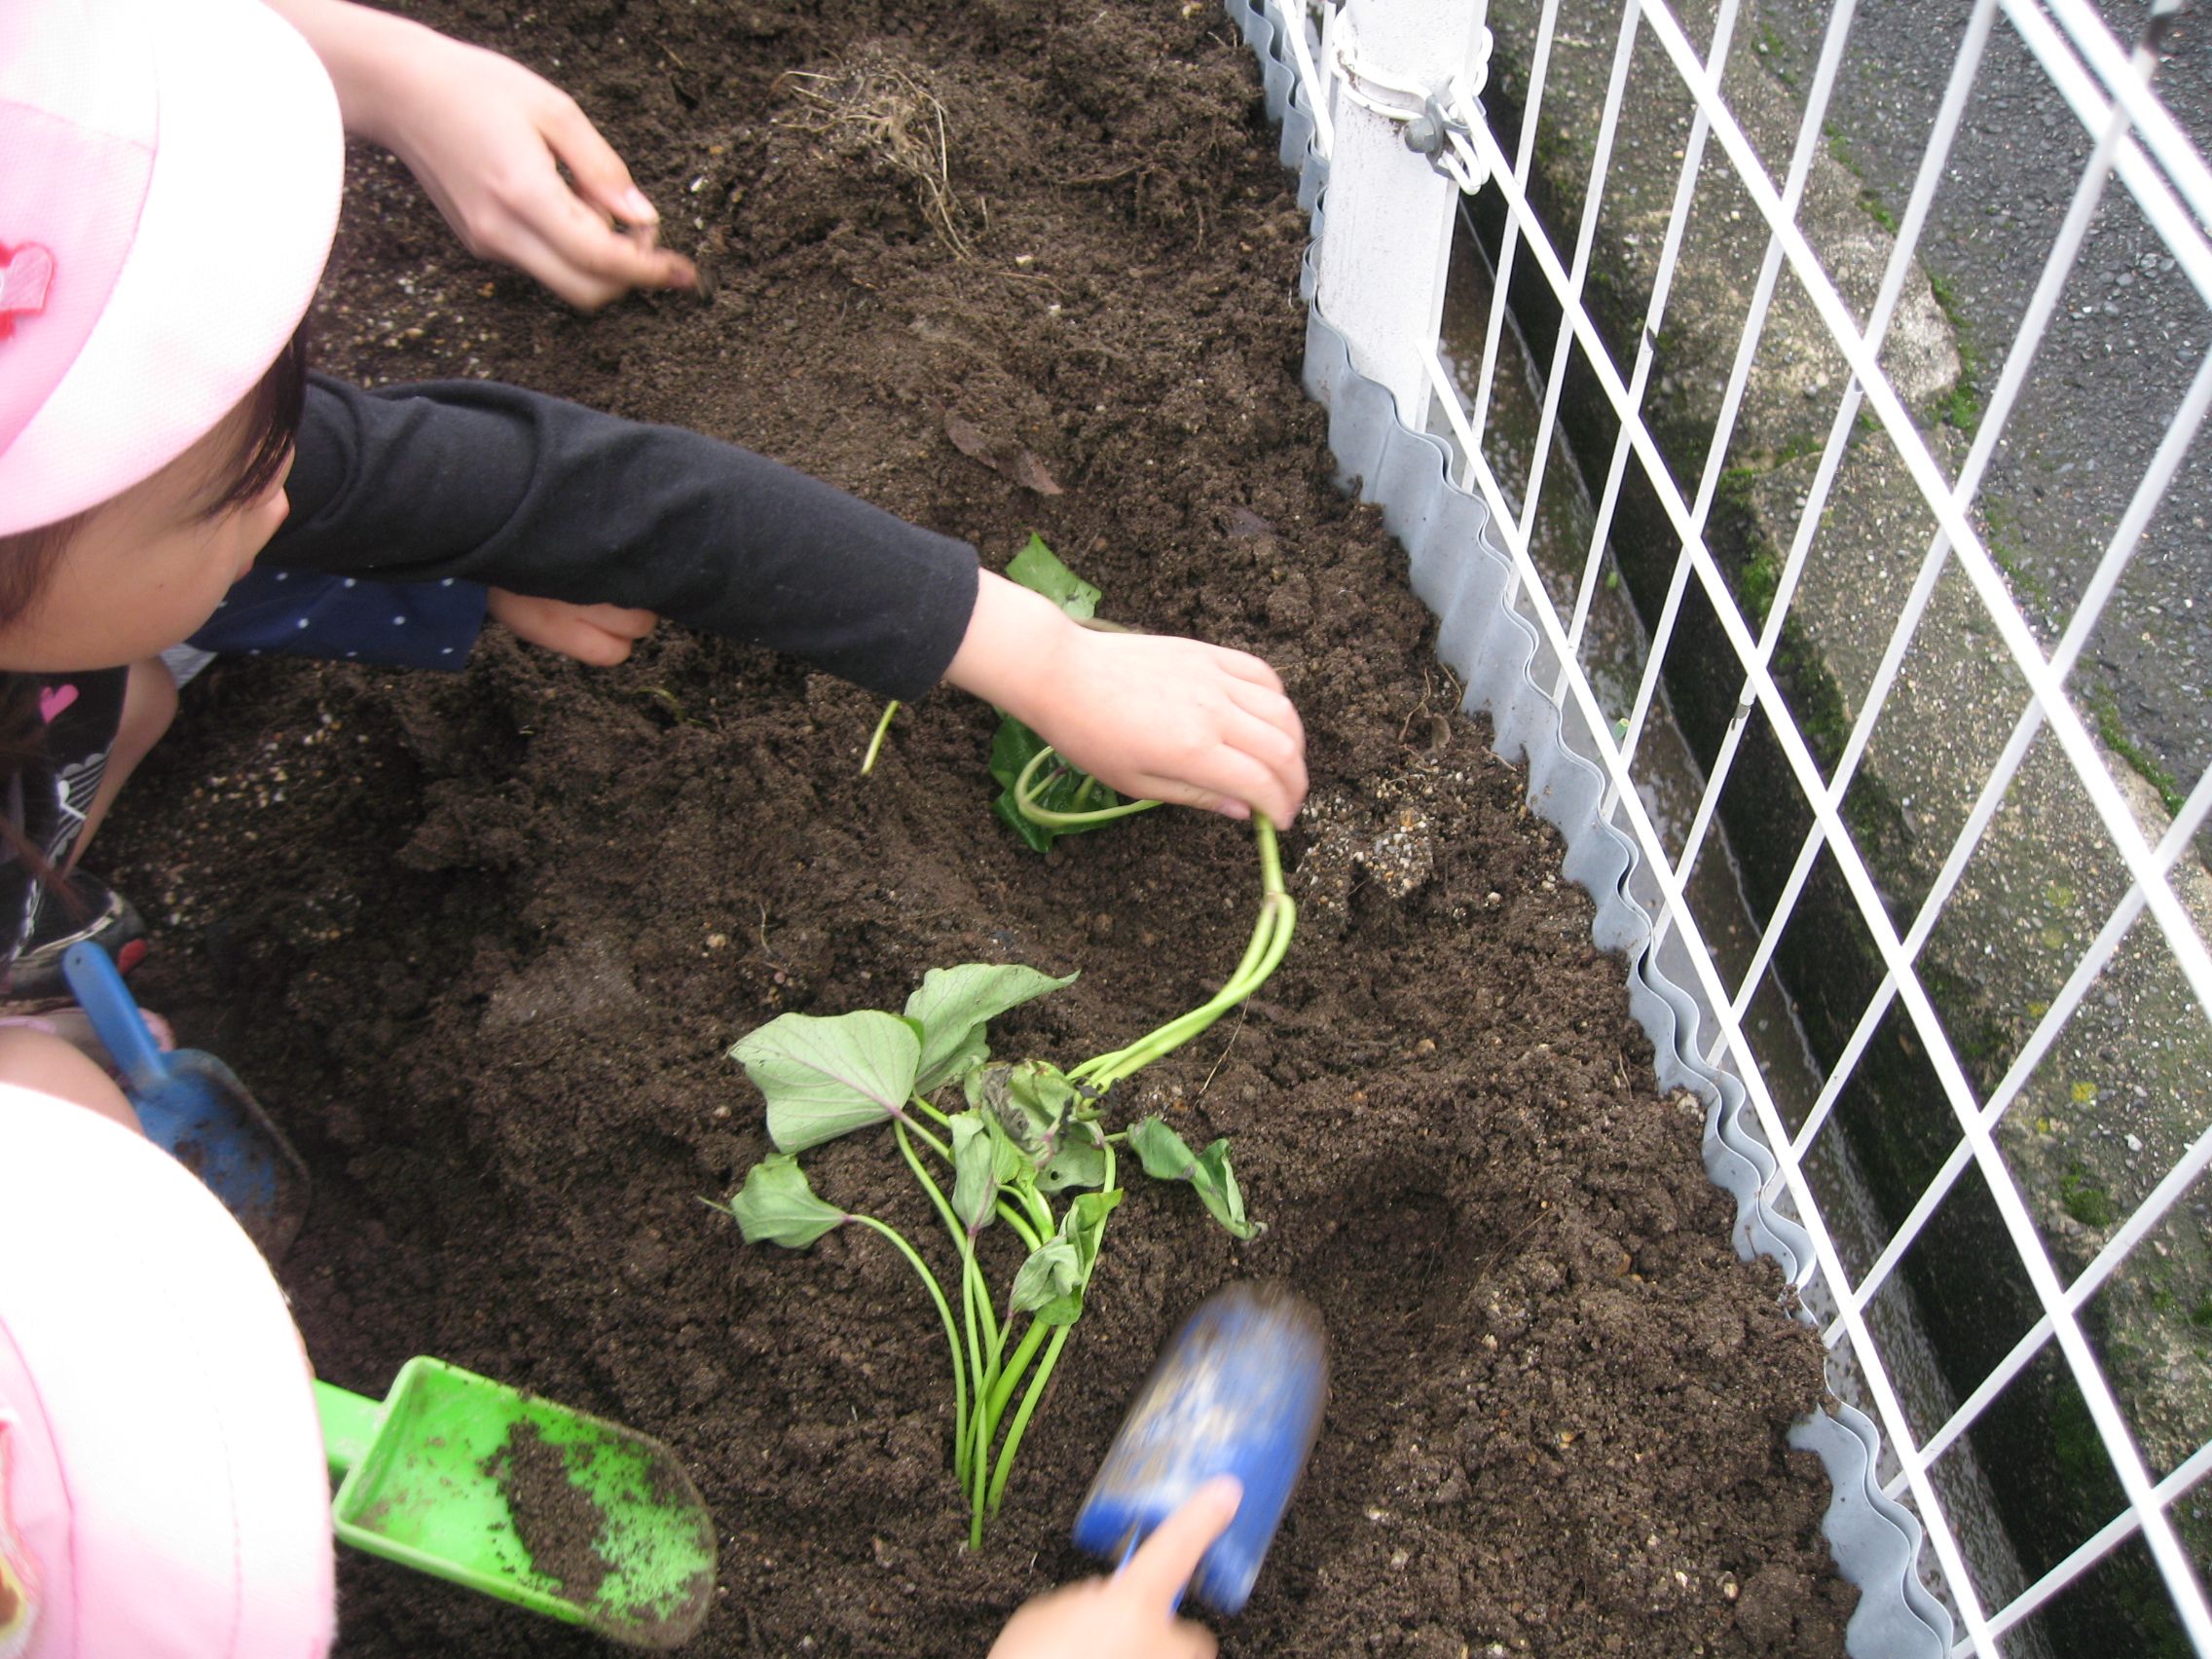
2111	370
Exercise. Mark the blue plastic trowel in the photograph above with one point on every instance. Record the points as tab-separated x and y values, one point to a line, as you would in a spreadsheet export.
194	1107
1237	1393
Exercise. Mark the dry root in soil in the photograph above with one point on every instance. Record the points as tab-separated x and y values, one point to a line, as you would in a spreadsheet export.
877	108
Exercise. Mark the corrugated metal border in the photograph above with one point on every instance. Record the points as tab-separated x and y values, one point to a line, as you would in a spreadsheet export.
1461	574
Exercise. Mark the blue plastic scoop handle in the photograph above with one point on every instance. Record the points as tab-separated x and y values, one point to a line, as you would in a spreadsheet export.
1238	1391
101	992
192	1106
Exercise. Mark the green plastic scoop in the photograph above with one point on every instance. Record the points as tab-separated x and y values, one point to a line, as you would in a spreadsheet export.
554	1510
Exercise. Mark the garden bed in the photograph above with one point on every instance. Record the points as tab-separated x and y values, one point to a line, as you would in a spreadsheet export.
481	943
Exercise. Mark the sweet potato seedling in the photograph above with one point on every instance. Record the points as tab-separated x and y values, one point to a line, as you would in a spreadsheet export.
1027	1151
1040	798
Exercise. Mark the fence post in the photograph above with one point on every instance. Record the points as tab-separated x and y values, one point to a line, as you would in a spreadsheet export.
1387	230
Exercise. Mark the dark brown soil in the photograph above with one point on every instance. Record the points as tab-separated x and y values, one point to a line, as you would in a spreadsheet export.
481	943
557	1520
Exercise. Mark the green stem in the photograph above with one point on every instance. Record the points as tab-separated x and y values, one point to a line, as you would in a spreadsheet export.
952	1223
1022	1417
1263	954
994	1339
901	1120
1040	1213
993	1407
1014	1219
963	1443
943	1122
944	1312
875	742
1036	812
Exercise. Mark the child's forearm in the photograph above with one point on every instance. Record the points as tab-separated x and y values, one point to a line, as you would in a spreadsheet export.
363	51
1008	654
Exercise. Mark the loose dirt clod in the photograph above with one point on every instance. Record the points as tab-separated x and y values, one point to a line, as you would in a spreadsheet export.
557	1521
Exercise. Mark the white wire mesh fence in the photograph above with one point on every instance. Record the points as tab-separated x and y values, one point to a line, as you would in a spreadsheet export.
1843	647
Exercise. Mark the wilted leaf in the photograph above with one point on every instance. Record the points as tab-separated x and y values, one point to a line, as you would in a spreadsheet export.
1081	1161
975	1173
1167	1157
1023	467
1085	1226
1047	1280
828	1077
1031	1102
1162	1152
1221	1194
953	1005
777	1206
1013	1165
968	438
1029	473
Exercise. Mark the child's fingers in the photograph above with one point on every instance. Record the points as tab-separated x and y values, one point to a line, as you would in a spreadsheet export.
622	620
1258	762
1248	668
1271	706
602	178
605	190
1157	1573
566	246
1267	726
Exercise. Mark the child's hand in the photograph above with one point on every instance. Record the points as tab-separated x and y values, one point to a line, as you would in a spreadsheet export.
1130	1615
487	139
1150	714
599	635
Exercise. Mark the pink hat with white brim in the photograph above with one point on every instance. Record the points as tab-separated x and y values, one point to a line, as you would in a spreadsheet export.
170	175
162	1492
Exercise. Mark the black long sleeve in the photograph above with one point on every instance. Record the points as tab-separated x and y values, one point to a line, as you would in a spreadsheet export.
497	485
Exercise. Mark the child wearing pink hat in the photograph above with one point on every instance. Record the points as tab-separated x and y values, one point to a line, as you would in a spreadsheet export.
151	402
170	182
162	1484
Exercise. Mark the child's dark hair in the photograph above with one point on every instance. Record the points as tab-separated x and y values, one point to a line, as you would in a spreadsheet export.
268	420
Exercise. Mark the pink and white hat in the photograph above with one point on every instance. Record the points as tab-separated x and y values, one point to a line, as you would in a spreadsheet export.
163	1492
170	175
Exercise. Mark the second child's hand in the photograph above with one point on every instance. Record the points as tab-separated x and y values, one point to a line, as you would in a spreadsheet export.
601	635
1130	1615
488	139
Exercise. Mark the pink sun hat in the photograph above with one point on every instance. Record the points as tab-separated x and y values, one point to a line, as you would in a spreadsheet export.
163	1491
170	175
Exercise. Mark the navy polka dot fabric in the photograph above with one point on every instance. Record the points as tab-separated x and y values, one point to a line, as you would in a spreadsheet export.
347	619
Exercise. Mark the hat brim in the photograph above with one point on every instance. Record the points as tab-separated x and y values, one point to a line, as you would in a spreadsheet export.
163	1462
239	208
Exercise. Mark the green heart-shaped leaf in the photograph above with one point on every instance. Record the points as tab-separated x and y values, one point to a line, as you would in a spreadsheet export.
826	1076
953	1005
1038	568
776	1206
